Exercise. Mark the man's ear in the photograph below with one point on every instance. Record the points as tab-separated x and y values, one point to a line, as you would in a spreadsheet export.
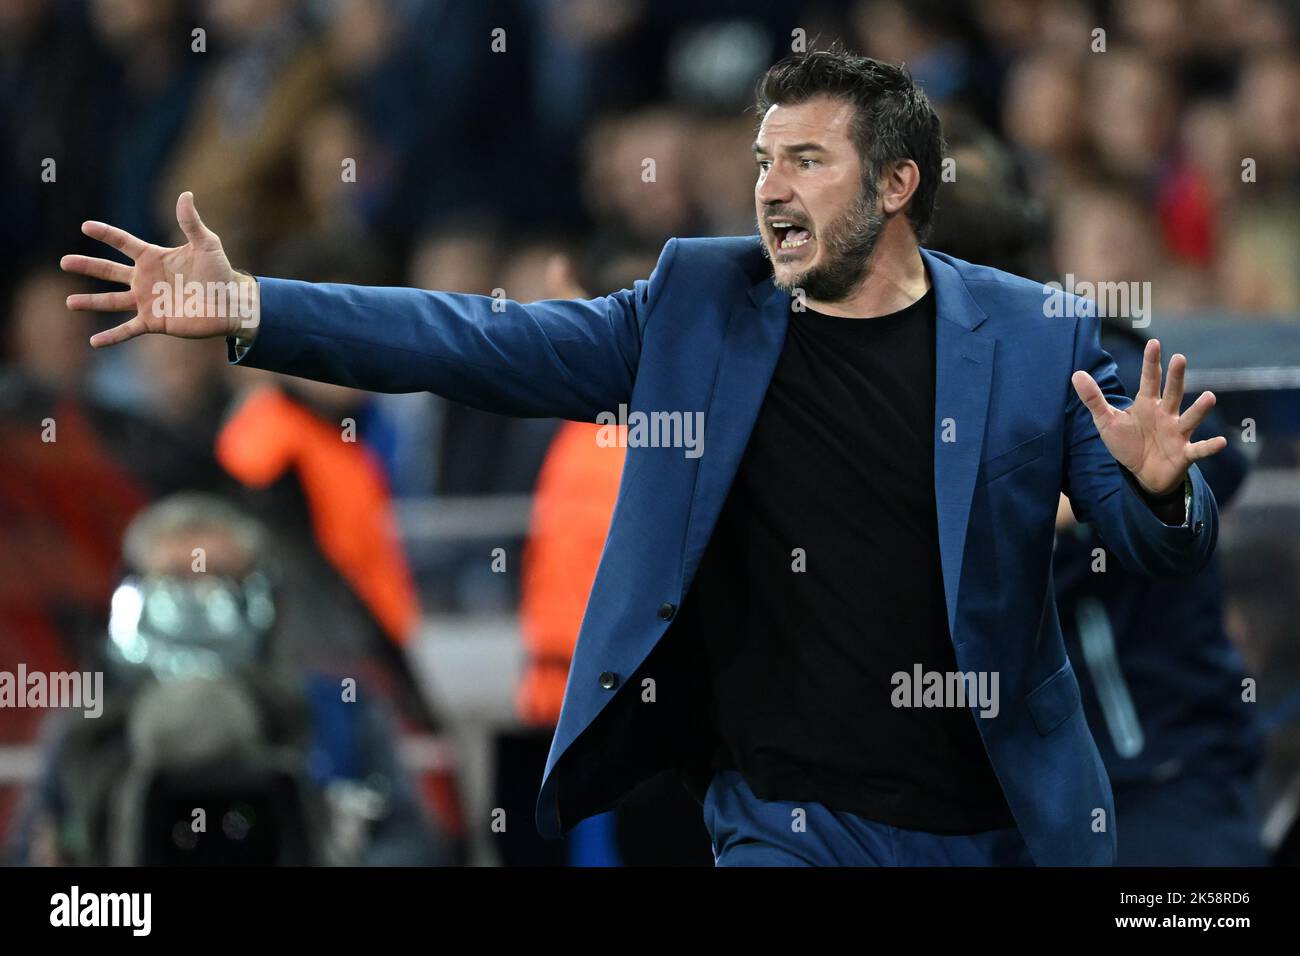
898	184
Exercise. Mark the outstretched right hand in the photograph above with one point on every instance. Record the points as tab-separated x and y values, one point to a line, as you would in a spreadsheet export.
160	287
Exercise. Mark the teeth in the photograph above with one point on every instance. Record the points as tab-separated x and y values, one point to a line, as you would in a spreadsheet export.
788	244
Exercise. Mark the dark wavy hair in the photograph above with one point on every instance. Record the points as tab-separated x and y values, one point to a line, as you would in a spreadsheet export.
893	120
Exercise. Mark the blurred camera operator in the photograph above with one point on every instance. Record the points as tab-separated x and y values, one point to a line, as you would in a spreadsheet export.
202	712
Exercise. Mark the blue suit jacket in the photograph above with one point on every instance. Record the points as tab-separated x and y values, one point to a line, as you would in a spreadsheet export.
703	333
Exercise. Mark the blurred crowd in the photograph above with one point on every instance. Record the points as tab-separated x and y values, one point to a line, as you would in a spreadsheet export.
463	146
1162	136
536	148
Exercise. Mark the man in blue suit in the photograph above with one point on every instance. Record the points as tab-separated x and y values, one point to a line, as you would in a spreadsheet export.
833	617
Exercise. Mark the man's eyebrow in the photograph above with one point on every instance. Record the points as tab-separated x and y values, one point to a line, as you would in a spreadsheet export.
794	148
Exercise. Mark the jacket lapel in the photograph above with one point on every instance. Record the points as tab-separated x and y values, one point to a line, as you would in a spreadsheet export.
752	345
963	378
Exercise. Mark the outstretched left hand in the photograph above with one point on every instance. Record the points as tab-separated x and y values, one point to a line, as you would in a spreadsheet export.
1150	438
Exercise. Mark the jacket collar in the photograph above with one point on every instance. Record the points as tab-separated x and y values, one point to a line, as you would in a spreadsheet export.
953	300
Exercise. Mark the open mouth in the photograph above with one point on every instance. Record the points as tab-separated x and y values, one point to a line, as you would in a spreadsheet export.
789	235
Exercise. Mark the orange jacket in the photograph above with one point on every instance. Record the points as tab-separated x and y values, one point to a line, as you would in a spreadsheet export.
572	508
346	492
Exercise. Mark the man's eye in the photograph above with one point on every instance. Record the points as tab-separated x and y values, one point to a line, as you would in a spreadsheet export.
805	163
764	163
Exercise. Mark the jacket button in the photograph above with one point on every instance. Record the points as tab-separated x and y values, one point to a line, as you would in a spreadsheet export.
608	679
666	611
1198	526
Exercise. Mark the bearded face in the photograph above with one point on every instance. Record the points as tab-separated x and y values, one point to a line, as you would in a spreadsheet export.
820	216
846	242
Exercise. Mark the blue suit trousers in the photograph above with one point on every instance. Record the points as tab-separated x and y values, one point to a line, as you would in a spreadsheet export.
747	831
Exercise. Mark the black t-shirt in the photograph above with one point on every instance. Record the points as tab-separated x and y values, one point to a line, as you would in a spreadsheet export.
823	580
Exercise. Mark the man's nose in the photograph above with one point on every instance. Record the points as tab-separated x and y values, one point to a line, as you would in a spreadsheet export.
773	188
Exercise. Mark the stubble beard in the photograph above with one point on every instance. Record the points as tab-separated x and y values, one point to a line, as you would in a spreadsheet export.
848	243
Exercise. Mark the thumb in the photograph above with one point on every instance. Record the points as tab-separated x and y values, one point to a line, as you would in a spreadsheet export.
561	279
1091	395
187	215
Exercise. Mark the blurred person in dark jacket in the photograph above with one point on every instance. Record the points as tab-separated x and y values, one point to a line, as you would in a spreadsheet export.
1163	687
53	99
153	80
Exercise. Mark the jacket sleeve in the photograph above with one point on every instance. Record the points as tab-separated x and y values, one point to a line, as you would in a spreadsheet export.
1100	494
563	358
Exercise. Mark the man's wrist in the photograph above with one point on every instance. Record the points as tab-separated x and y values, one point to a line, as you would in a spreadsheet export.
248	310
1170	507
